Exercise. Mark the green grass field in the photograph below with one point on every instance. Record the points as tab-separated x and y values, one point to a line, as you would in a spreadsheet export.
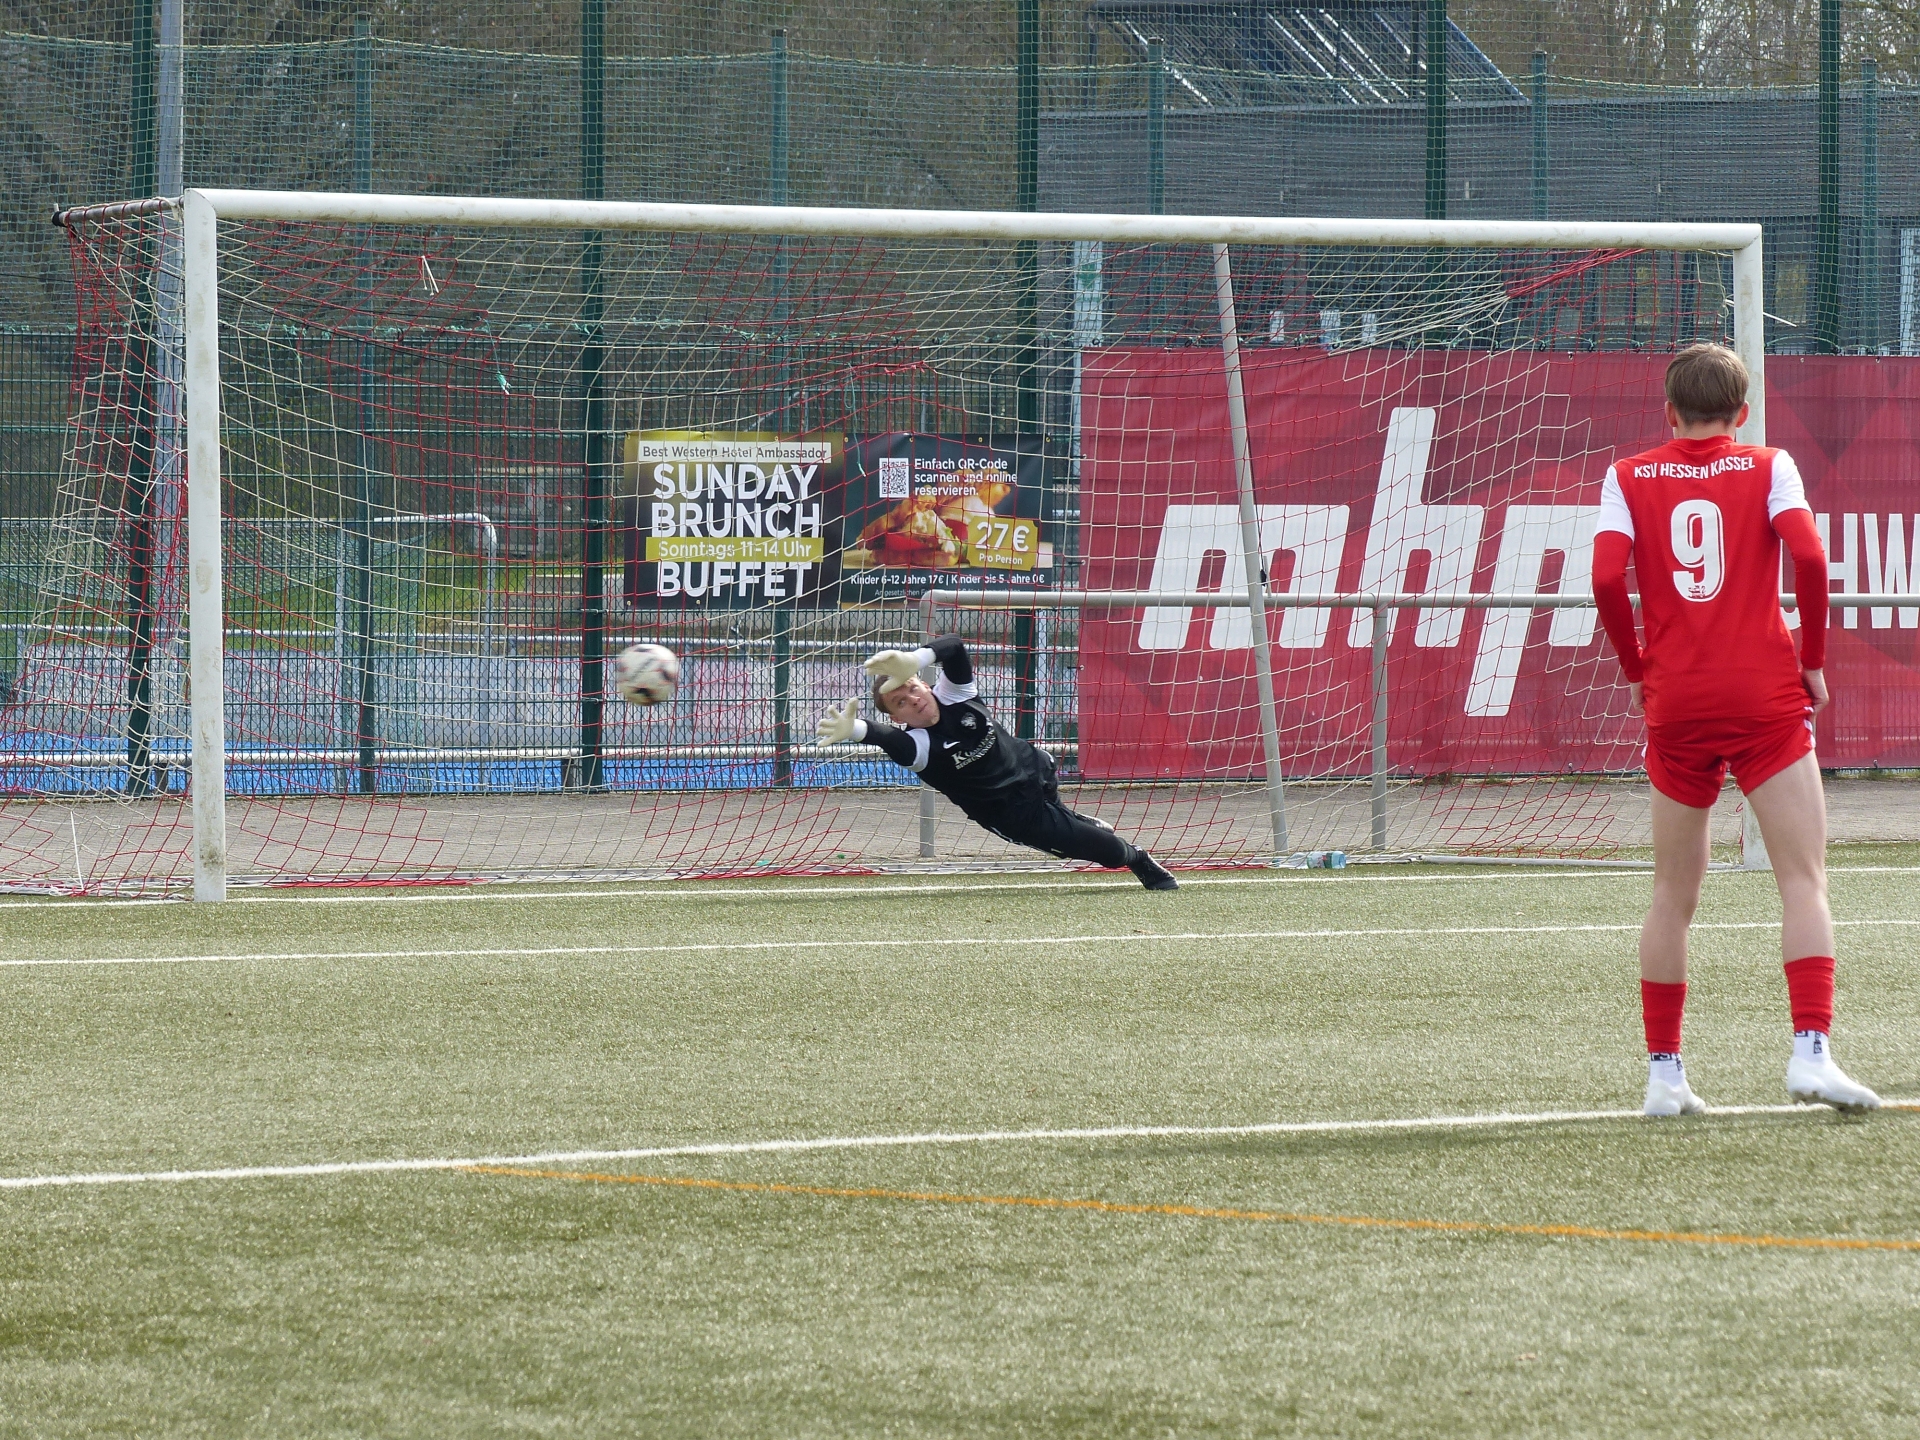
1600	1275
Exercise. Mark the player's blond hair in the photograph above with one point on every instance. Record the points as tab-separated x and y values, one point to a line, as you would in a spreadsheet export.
1707	382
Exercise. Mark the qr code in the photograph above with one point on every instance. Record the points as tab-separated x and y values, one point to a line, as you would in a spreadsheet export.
896	477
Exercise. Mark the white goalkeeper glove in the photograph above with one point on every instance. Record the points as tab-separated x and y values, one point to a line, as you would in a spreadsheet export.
840	724
893	668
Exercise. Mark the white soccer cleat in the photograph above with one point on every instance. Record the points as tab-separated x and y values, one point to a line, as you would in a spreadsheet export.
1664	1099
1821	1082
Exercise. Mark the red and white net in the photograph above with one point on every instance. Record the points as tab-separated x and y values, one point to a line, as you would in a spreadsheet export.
770	451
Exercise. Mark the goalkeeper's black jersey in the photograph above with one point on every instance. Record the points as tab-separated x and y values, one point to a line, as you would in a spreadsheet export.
967	756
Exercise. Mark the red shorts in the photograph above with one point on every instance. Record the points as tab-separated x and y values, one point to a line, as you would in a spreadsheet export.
1687	759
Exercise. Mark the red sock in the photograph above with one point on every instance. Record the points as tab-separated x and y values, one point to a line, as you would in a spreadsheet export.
1661	1006
1810	993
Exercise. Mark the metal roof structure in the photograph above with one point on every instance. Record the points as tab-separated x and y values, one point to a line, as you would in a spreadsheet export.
1230	53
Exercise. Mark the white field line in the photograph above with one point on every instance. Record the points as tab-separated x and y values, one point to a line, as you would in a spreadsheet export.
886	1142
707	890
929	942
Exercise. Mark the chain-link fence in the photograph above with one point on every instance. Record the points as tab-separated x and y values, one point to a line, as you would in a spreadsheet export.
1691	111
1566	109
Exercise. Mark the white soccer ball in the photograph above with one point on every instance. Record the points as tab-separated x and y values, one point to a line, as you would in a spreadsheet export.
646	674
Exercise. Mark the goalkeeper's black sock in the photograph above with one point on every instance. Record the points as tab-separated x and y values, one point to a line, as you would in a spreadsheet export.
1150	872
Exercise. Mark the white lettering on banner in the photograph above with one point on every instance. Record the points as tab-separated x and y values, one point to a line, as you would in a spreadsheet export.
1404	525
1314	535
701	577
1893	565
728	482
1893	571
1527	534
760	451
1847	568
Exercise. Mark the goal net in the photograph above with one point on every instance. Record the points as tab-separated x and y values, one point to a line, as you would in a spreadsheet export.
469	450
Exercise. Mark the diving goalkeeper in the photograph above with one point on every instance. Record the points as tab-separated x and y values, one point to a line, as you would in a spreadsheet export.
946	737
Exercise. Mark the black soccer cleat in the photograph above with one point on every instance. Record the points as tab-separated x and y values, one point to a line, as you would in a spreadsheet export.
1151	872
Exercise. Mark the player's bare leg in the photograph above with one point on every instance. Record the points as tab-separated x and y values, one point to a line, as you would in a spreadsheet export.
1680	851
1680	855
1792	810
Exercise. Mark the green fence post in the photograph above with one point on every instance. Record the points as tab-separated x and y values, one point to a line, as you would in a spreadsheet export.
1027	197
1156	176
144	154
1156	127
1539	134
1870	206
1438	264
145	167
366	723
1436	39
778	179
1826	245
593	479
777	195
1089	75
777	121
362	105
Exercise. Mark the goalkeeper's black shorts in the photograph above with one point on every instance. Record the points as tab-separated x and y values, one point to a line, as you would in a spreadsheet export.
1045	824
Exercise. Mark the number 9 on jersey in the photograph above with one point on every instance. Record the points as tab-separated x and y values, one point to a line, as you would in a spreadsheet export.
1696	537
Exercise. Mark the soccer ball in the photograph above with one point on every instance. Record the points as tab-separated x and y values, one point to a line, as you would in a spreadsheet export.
646	674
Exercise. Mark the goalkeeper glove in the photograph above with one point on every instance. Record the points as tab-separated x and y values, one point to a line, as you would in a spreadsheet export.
840	724
893	668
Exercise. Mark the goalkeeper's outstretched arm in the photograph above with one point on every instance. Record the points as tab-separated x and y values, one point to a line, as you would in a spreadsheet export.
894	668
840	726
891	670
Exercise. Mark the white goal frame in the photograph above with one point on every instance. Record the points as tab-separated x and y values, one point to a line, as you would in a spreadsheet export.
202	211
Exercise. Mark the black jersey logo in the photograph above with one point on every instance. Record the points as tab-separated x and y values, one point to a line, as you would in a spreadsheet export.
970	720
967	757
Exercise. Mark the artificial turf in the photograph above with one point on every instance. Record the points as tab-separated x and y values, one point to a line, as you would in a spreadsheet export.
455	1302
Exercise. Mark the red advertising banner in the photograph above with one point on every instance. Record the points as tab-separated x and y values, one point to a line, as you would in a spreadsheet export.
1442	471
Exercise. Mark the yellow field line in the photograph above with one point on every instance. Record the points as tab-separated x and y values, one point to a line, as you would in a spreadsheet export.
1211	1212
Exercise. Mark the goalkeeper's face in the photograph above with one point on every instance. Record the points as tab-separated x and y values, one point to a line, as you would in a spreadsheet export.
911	704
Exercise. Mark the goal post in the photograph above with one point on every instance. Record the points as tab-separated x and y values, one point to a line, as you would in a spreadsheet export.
358	692
206	611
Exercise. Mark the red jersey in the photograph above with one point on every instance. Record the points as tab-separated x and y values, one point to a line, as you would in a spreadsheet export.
1700	516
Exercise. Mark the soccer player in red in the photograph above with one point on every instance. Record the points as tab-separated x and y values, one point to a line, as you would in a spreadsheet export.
1703	518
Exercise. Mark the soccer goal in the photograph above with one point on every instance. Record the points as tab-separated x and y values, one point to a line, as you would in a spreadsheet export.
1275	532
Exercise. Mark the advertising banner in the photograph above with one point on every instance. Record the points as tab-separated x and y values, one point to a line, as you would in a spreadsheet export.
733	520
1424	471
925	511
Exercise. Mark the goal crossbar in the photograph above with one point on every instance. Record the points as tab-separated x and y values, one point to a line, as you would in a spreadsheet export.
851	222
